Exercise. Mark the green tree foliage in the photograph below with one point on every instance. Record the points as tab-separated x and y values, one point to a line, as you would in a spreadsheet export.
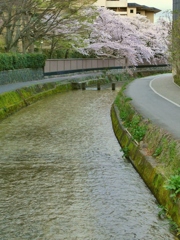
23	22
175	48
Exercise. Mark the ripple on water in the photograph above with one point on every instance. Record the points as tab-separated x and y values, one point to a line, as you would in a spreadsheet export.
63	176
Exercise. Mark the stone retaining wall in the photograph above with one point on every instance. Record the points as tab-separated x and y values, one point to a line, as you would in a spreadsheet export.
20	75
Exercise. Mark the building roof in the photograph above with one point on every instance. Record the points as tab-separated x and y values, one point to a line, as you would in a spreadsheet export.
143	7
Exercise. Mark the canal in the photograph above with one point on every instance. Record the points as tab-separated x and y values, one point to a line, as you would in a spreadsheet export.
63	176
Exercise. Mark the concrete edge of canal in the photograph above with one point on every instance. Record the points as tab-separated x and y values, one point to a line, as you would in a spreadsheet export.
146	167
13	101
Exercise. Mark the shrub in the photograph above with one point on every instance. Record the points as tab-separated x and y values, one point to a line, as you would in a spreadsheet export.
35	60
19	61
173	184
6	62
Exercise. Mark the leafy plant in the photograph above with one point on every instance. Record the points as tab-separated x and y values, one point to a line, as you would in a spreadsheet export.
123	114
174	228
162	212
173	184
125	151
138	131
158	151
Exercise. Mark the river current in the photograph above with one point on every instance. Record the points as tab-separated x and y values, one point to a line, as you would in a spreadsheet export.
63	176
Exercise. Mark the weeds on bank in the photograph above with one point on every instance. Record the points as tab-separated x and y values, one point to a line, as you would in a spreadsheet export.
172	150
173	184
115	76
162	214
158	151
173	227
125	151
159	143
167	153
137	129
131	120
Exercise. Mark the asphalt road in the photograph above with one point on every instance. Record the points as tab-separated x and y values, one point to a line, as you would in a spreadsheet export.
158	99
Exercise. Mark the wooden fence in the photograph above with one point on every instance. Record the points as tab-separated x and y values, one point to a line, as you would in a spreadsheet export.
61	66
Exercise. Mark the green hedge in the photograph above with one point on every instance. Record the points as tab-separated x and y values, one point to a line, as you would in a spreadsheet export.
19	61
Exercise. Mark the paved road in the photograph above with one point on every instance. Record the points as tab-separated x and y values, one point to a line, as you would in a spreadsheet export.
158	99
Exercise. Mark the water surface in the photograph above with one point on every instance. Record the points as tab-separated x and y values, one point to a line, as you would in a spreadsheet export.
63	176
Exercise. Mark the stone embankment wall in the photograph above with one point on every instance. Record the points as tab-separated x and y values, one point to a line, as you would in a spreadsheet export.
20	75
146	166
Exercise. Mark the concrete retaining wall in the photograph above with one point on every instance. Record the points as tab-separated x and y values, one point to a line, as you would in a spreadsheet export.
146	167
11	102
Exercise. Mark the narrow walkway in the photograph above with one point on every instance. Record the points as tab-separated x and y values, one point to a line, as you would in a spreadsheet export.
17	85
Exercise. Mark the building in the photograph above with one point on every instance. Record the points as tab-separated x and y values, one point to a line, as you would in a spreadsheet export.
176	8
124	8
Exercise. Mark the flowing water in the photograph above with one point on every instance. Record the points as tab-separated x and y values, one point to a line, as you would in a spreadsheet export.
63	176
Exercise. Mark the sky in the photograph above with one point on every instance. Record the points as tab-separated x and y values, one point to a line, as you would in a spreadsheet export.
163	5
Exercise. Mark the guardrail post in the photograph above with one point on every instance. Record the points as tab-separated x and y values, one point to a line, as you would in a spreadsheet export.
75	86
113	86
83	85
98	86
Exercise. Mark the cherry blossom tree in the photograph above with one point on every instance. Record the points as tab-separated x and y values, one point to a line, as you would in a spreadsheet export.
72	34
154	36
135	39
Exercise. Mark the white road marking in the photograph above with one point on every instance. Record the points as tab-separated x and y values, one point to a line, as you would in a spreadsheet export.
150	85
